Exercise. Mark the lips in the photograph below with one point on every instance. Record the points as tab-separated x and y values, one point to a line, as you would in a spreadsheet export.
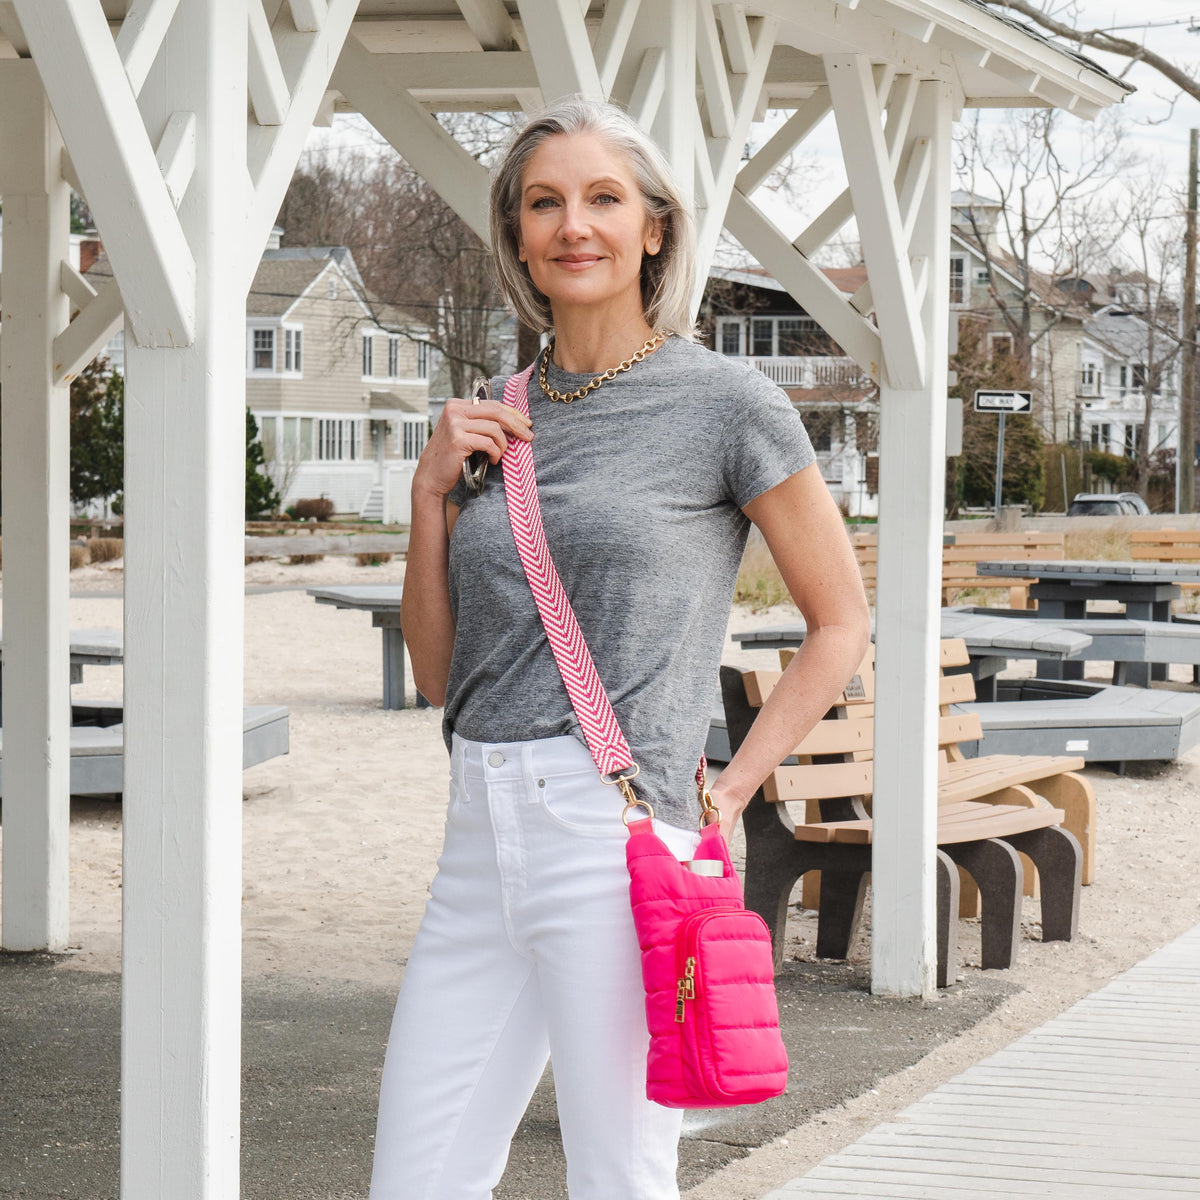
577	260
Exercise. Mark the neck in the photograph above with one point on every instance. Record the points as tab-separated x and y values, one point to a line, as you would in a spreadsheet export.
583	347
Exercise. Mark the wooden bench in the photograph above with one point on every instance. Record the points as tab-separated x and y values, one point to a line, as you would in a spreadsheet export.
832	775
959	559
1166	546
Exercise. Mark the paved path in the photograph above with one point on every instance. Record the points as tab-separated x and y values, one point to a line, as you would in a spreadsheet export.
1101	1103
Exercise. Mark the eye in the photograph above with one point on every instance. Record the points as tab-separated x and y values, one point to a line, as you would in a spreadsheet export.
607	196
542	200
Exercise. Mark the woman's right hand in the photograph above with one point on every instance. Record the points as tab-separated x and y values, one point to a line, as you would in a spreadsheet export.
463	428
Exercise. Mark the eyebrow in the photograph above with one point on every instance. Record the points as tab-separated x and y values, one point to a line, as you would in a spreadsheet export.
607	179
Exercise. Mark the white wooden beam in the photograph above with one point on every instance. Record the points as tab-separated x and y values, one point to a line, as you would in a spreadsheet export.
141	35
810	287
808	115
612	39
10	26
98	114
268	89
35	438
675	125
461	181
77	289
176	153
308	15
737	37
71	176
181	810
868	168
558	40
92	329
307	60
913	181
490	23
911	483
717	100
649	87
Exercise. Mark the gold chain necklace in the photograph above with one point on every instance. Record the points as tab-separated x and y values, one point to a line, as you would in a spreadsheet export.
567	397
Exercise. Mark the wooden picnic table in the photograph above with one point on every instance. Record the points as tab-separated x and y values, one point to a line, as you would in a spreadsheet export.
991	642
101	647
382	601
1065	588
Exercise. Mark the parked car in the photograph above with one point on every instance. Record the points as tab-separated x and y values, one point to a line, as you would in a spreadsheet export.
1096	504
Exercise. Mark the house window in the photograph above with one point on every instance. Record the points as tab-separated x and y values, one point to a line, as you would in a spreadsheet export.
731	337
981	275
1124	374
796	336
266	435
1100	437
292	339
1001	344
1139	375
958	280
413	438
422	360
339	440
393	358
1133	439
263	357
308	449
368	356
762	335
819	424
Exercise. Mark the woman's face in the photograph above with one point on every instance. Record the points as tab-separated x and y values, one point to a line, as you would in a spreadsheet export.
583	226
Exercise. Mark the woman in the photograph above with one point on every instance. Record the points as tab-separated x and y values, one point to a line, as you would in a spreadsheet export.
649	477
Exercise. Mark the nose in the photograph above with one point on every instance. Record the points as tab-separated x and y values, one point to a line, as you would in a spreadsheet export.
574	224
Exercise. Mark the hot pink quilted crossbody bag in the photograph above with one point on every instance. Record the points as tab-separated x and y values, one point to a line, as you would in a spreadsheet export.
706	961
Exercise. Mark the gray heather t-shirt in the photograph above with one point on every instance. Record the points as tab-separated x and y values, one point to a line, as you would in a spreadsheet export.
641	483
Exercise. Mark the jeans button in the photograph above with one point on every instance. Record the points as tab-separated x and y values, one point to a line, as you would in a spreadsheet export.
495	759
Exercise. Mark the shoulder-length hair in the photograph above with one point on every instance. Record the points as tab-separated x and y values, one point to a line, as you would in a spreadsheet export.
667	277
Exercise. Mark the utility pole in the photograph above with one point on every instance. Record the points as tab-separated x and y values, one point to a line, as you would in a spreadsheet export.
1185	497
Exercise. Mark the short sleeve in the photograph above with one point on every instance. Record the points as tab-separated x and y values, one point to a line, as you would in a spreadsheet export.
458	493
764	441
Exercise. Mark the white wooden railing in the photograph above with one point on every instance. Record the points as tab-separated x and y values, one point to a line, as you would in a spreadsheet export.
808	371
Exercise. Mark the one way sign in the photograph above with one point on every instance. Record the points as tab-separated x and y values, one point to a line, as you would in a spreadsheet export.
1004	402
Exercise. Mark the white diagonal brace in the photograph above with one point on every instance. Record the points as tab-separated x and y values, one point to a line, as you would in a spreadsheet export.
649	86
458	178
10	26
869	171
91	330
808	115
77	289
268	88
913	180
711	59
307	60
141	35
101	125
737	37
805	282
176	153
68	172
612	39
558	40
308	15
490	23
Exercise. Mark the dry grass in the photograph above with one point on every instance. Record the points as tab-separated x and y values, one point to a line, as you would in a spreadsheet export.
78	556
105	549
253	558
1097	544
300	559
759	583
373	559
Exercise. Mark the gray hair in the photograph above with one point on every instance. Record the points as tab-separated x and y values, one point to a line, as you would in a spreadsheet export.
667	277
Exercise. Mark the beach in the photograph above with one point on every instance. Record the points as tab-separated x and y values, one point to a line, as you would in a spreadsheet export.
341	838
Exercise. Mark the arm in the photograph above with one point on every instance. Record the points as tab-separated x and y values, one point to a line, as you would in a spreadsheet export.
425	614
822	576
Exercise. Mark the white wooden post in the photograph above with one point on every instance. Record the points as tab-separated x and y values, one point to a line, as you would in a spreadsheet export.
184	473
911	498
36	448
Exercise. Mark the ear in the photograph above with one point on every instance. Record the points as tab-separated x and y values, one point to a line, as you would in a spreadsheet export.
521	249
654	239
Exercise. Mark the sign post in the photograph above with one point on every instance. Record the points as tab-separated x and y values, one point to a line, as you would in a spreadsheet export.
1002	403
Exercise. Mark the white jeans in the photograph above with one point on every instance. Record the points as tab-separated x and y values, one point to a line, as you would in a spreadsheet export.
526	949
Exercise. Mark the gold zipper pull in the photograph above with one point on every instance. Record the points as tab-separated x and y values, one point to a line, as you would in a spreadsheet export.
689	978
680	997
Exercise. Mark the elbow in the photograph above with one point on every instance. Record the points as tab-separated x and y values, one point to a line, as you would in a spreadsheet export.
432	689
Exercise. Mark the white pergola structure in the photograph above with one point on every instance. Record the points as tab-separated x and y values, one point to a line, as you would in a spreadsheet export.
181	121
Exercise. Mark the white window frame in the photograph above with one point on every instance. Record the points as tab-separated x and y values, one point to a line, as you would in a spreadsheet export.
293	351
368	355
958	274
413	434
739	326
339	439
393	356
424	351
252	333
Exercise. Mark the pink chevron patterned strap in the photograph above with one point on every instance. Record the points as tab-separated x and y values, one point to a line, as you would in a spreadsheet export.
579	675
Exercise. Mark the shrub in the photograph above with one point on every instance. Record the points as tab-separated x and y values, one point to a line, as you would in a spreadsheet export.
105	549
253	558
298	559
759	583
373	559
318	509
291	512
78	555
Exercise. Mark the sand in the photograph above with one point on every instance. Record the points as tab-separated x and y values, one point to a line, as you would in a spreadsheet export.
341	838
